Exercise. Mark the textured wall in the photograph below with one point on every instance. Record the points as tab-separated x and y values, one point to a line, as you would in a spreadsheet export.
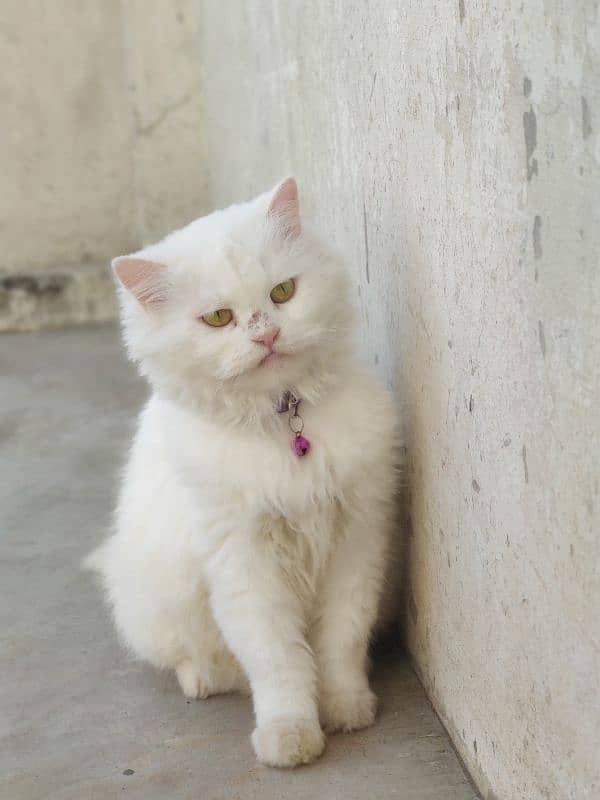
101	145
161	43
66	152
452	150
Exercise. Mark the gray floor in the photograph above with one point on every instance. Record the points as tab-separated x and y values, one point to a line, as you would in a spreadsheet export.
78	718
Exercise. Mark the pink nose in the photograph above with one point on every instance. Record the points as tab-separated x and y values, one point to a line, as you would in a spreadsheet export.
267	338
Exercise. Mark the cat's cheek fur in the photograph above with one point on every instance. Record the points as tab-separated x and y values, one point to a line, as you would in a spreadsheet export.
233	562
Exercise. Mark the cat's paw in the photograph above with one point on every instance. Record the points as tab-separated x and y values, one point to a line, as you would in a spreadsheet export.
192	683
347	710
288	742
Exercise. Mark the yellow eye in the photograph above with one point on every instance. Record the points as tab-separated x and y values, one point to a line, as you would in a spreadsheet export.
283	291
218	319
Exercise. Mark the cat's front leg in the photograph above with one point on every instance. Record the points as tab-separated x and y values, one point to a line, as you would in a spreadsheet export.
262	620
349	600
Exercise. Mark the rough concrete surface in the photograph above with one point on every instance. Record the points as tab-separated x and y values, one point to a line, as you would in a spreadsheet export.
162	56
66	155
101	146
452	151
78	718
39	299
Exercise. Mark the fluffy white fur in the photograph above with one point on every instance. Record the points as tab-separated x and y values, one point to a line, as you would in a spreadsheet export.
233	561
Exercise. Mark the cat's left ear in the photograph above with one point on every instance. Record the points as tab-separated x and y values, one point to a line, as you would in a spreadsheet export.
285	208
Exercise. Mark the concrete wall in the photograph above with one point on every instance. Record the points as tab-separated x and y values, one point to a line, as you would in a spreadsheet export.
452	150
101	146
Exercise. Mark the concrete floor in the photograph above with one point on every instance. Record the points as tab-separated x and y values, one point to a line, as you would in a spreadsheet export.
78	718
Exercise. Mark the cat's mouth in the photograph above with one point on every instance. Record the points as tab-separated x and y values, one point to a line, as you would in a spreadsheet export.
271	358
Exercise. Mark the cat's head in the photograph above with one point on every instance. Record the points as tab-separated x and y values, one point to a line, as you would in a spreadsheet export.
245	300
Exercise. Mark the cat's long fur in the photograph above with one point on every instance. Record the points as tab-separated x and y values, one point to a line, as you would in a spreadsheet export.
233	561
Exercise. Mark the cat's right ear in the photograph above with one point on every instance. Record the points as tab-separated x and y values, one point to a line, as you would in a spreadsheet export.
285	208
146	280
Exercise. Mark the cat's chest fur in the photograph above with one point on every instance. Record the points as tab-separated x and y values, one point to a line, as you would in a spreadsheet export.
255	469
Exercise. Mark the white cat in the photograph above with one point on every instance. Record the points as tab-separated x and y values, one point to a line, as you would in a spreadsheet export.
251	544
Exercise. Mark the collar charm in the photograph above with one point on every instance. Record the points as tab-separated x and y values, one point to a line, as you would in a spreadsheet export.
288	402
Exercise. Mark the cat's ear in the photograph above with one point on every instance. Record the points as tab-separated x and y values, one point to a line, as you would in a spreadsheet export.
146	280
285	208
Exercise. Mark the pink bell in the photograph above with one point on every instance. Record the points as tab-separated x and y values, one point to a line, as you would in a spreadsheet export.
300	446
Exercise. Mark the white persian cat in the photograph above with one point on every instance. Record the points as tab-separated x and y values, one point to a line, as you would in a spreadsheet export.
253	529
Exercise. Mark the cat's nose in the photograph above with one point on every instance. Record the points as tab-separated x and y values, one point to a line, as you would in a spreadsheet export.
267	338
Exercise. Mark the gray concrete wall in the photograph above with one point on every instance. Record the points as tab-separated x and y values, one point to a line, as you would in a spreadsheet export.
101	146
452	150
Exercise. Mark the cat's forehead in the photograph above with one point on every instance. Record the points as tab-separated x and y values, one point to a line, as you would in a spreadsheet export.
229	271
232	263
245	262
227	254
